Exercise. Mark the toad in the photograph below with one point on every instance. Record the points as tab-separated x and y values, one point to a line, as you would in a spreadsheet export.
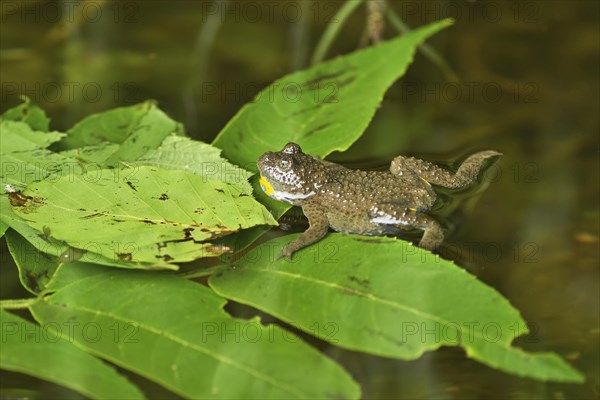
362	202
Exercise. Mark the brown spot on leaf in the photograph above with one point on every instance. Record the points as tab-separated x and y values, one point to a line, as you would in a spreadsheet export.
94	215
125	256
220	191
164	196
18	199
360	282
166	257
147	221
131	186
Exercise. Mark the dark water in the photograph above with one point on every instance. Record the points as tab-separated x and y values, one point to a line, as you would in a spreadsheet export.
528	86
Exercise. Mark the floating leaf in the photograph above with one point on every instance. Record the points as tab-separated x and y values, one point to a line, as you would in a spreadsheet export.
176	333
144	215
388	298
47	354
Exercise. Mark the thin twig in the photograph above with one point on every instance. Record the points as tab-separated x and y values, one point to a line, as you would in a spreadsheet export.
333	29
427	50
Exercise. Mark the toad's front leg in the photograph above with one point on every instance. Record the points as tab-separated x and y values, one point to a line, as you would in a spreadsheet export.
317	229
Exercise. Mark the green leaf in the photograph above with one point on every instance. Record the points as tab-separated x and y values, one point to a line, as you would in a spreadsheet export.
389	298
3	227
112	126
28	113
176	333
66	274
35	268
37	264
134	129
93	154
199	158
47	354
25	159
323	108
143	215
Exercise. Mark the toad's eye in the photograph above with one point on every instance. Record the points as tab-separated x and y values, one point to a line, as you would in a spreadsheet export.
285	164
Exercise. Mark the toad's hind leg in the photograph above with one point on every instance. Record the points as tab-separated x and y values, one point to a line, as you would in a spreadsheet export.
433	234
467	172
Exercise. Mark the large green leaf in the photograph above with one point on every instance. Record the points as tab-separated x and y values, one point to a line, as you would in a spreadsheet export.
176	333
25	159
45	352
386	297
144	214
323	108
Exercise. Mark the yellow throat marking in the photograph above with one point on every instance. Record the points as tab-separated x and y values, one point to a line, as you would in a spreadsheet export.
266	186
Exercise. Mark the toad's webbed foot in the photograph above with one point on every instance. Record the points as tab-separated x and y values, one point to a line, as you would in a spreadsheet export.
317	229
467	172
433	235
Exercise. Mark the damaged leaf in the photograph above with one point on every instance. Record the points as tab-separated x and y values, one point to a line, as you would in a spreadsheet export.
26	159
142	214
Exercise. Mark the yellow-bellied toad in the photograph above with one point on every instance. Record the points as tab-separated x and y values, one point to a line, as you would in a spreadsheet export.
361	202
